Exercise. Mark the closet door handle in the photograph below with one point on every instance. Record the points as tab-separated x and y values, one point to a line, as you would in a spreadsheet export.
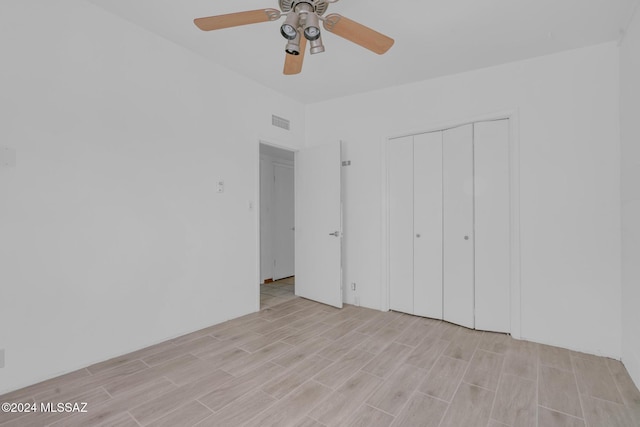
466	237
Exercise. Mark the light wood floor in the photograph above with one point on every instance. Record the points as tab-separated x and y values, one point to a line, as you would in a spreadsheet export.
277	292
300	363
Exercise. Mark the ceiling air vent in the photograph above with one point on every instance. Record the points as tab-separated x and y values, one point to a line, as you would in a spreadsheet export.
280	122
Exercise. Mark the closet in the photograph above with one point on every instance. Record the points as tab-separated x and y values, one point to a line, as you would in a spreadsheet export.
449	225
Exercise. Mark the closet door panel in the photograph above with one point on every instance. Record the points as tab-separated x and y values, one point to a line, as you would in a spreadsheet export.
427	248
492	238
401	224
458	226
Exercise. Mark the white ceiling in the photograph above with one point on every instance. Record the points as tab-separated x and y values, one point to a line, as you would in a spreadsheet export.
433	38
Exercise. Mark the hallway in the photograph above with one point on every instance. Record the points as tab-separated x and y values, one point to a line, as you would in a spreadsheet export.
277	292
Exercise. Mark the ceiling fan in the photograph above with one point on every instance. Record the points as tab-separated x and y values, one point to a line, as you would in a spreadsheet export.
302	24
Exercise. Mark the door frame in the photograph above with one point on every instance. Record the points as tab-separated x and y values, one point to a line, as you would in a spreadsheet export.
257	207
514	202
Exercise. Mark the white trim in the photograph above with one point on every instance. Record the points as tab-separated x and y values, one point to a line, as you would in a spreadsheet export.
514	186
450	124
282	164
514	198
384	262
258	229
343	271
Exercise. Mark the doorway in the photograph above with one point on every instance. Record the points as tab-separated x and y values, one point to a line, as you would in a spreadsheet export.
277	229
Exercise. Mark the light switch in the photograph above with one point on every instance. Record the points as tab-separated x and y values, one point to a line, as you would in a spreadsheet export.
221	186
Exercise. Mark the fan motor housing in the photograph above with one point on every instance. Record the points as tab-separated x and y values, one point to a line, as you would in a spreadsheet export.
319	6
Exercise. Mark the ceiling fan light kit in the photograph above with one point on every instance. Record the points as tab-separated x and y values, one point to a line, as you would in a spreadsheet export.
311	27
302	23
293	46
316	46
289	29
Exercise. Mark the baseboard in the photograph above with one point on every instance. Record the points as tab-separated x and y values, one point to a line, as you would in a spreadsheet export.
268	281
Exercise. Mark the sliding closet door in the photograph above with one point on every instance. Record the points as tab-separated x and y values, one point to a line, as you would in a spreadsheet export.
401	224
492	238
427	211
458	226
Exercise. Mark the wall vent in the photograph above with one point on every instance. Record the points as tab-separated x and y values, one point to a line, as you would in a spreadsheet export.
280	122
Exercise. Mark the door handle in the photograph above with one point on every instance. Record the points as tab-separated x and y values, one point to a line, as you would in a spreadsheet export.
335	234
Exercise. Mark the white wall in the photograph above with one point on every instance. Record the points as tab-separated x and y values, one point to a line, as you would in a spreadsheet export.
112	237
567	111
630	112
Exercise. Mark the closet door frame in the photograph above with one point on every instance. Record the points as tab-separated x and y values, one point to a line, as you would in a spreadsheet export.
514	203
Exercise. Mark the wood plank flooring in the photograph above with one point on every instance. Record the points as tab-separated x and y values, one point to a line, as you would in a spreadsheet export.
299	363
277	292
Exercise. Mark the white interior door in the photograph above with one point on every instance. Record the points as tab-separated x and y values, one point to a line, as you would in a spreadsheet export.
458	266
284	221
492	229
427	224
318	223
401	224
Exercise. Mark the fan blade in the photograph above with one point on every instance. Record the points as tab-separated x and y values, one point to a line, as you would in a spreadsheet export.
357	33
293	63
236	19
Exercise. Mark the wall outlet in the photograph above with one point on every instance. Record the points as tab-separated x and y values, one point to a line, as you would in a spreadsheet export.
353	286
1	358
220	188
